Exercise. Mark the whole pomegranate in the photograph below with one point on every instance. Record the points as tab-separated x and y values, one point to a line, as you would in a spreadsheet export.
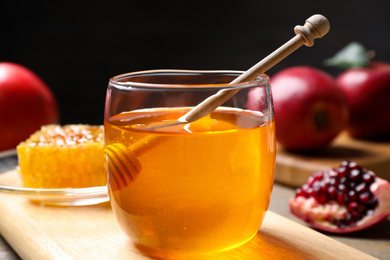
310	109
366	84
368	94
26	103
342	200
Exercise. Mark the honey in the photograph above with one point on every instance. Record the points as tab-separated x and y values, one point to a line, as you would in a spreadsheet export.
204	187
57	156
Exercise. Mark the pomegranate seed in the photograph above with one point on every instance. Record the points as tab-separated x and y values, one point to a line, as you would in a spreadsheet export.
332	192
332	173
316	185
324	187
352	206
333	182
309	193
322	198
344	180
355	175
364	197
340	198
356	215
316	196
353	165
342	188
318	176
299	193
310	181
352	196
325	174
368	178
361	188
344	163
342	171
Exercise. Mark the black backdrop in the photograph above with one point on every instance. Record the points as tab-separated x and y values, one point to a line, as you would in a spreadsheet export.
77	46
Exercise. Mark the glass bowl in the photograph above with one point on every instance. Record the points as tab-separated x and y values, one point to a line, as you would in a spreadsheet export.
10	183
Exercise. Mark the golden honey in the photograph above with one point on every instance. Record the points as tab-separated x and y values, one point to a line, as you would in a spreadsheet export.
68	156
203	187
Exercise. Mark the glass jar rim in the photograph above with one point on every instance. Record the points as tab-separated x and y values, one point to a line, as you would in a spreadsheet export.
263	79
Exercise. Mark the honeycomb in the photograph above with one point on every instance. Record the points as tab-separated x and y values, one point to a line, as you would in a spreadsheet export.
69	156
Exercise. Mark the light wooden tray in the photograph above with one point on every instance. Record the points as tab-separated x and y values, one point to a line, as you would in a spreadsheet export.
44	232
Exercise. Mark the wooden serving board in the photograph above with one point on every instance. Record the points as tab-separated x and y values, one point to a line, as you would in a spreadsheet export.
46	232
293	169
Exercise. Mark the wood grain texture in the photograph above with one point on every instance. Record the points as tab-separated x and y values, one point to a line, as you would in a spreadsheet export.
293	169
43	232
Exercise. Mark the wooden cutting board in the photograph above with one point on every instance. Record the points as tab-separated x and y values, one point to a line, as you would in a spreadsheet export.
46	232
293	169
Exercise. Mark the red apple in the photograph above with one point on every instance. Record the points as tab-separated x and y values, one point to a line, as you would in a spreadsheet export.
26	103
310	109
368	94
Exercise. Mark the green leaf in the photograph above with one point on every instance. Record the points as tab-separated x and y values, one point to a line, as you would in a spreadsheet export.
354	55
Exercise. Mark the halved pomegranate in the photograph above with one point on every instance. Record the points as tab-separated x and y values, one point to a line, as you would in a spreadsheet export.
342	200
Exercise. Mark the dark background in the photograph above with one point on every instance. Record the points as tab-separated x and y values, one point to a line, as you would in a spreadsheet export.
75	47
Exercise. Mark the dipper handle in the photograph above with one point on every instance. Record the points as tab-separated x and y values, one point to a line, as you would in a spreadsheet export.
316	26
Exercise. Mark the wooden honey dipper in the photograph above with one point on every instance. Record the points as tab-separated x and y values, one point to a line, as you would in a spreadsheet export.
123	163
